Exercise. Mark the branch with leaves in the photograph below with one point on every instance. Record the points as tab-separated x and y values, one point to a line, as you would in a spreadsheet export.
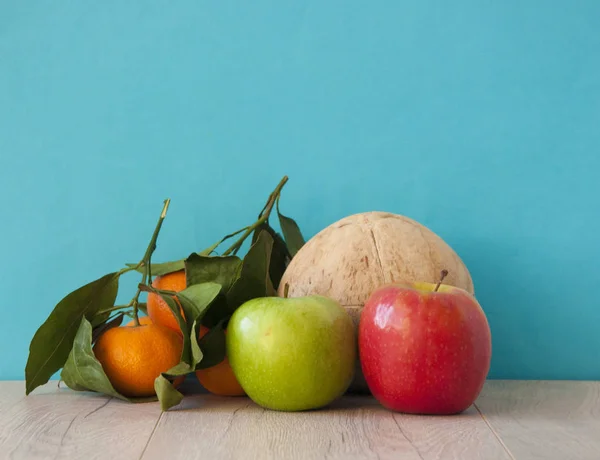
216	286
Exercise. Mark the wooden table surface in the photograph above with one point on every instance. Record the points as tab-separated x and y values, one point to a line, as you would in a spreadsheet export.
510	420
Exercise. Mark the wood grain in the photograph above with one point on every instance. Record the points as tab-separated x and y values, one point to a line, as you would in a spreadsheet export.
53	423
10	393
465	436
545	419
355	427
511	419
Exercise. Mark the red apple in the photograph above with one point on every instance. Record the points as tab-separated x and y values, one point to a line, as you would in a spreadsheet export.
424	348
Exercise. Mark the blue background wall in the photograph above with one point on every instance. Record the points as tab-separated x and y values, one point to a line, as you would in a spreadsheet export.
479	119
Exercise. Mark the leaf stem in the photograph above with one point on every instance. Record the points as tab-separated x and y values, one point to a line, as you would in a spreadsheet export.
128	269
152	289
208	251
262	218
145	262
116	307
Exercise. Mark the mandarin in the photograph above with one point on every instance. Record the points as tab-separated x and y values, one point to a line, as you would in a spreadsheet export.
219	379
158	310
134	356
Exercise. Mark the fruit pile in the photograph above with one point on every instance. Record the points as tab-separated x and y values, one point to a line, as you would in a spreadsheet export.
291	325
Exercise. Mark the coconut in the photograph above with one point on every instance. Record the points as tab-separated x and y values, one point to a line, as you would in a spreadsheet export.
352	257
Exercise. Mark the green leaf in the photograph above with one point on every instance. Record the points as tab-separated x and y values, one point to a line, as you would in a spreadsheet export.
195	301
166	393
197	354
280	256
162	268
291	232
83	372
196	298
159	269
178	370
71	383
99	318
254	280
52	343
102	328
174	307
218	310
218	269
212	345
224	270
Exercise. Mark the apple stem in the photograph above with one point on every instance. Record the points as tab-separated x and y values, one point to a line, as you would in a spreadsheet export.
286	290
443	275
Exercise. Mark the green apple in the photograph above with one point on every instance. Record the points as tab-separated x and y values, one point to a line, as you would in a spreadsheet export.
292	354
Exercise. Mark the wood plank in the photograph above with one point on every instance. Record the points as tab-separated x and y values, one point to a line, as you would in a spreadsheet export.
465	436
354	427
53	423
11	392
237	428
545	419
